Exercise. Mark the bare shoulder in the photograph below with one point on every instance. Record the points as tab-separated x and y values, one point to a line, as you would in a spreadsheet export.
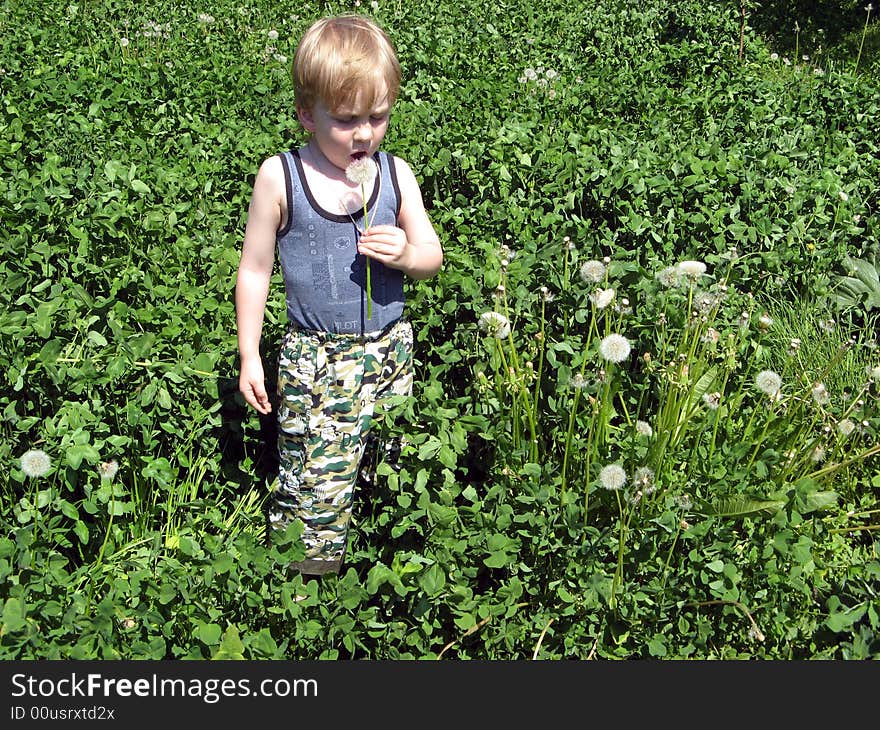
404	171
407	181
271	172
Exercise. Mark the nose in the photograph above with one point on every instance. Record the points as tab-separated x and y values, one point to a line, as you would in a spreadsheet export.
363	131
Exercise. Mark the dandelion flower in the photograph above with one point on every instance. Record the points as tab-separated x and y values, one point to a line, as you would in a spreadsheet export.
361	171
669	277
35	463
820	394
704	301
768	382
692	269
615	348
684	501
612	477
108	469
643	478
592	271
494	324
601	298
846	427
578	381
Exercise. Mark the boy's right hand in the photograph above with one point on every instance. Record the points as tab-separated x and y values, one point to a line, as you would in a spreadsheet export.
252	385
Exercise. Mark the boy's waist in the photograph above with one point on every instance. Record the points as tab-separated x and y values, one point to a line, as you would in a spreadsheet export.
326	336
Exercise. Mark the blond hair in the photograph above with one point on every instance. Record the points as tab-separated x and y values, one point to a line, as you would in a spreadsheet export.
345	60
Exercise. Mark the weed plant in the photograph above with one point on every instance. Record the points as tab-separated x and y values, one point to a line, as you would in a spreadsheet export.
645	421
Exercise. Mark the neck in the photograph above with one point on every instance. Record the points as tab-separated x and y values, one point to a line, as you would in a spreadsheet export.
323	165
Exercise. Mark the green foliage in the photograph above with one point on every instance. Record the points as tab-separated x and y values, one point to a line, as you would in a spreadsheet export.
544	137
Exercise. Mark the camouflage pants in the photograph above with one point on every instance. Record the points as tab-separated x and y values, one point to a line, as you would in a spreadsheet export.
328	386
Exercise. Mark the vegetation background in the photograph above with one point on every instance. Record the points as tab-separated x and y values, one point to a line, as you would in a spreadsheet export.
636	136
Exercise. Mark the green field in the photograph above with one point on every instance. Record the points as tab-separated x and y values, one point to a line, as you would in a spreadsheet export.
668	449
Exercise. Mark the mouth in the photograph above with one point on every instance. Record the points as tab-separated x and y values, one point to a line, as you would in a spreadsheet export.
358	155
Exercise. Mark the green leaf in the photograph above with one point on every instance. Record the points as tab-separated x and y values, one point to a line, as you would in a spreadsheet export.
231	646
740	505
209	633
13	616
78	452
432	580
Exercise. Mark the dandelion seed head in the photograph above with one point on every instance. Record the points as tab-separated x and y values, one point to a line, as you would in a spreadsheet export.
711	335
593	271
693	270
361	171
494	324
768	382
704	301
669	277
108	469
643	428
577	381
601	298
612	477
842	196
684	501
818	454
643	478
846	427
765	321
35	463
615	348
712	400
820	394
272	34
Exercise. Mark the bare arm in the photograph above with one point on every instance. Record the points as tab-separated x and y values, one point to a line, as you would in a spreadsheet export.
252	281
414	246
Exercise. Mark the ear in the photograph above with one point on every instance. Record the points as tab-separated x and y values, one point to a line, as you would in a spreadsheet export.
306	118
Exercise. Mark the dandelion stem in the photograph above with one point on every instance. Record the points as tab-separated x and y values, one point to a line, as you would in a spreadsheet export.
366	226
868	7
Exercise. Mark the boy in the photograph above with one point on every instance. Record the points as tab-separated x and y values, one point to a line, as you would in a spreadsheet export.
341	353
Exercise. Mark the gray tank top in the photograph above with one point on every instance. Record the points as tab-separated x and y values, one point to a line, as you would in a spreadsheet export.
324	275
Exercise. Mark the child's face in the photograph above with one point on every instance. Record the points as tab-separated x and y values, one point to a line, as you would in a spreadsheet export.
347	133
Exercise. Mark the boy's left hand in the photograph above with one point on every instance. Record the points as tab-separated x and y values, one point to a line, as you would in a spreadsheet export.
387	244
